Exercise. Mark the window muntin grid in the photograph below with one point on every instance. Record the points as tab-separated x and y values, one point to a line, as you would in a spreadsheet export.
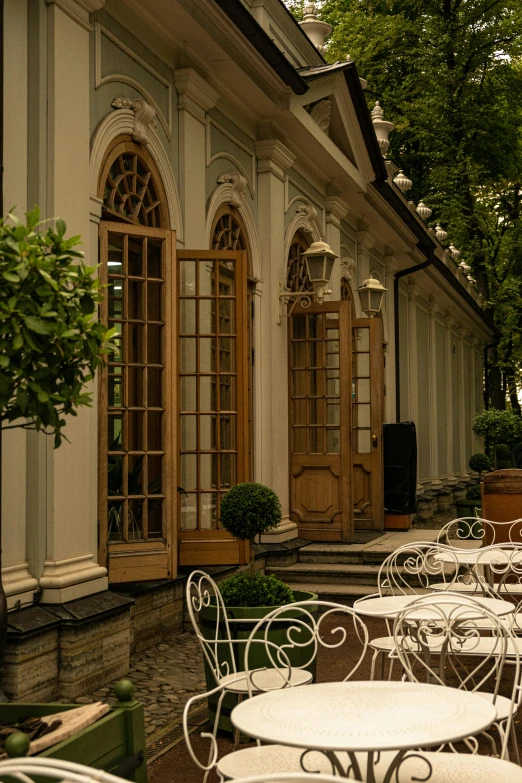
297	276
208	388
361	402
136	269
315	387
130	191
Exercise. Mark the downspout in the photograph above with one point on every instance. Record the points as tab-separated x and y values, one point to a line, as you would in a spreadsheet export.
402	273
3	600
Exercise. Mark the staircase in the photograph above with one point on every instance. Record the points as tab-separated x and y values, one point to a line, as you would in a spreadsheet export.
344	572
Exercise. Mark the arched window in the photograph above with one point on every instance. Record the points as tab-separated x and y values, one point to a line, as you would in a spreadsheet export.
131	187
135	449
297	277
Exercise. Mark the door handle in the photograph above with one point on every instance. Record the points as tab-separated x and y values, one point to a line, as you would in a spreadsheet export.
375	440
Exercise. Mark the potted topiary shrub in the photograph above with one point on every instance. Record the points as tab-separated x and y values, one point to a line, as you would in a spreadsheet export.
247	511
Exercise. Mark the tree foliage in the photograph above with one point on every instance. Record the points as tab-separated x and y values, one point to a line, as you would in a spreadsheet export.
50	341
499	427
449	76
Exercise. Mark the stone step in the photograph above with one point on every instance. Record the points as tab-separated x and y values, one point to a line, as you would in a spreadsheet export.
337	593
318	573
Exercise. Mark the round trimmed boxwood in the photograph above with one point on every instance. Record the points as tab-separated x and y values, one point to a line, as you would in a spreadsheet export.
480	463
255	589
473	493
248	510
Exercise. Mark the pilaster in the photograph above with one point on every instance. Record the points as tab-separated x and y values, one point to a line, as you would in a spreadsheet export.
433	309
273	159
461	332
365	242
336	210
195	98
391	266
413	387
70	569
449	323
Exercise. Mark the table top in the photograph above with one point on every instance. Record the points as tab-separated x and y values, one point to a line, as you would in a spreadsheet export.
389	606
363	715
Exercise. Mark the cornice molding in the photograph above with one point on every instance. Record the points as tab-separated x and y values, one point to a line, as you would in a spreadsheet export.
193	89
274	150
78	10
335	207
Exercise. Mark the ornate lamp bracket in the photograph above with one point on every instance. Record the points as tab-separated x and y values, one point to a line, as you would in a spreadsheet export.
285	297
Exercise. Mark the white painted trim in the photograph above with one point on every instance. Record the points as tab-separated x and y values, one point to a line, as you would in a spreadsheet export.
250	178
100	80
300	221
225	194
121	121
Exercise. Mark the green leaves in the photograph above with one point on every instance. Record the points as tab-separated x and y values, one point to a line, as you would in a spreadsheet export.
256	589
247	510
50	343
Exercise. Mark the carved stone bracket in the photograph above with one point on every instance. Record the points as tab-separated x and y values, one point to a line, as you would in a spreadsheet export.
238	184
348	269
321	113
310	216
144	117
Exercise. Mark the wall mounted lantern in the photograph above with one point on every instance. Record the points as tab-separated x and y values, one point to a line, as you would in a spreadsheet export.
319	260
371	293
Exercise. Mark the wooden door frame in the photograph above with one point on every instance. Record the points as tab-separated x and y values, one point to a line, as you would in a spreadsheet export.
343	308
146	556
221	544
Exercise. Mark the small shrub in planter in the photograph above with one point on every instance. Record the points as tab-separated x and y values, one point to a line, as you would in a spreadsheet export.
480	463
473	493
255	590
504	464
248	510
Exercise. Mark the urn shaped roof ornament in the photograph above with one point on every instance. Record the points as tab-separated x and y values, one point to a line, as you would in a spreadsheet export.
440	233
424	211
402	181
315	29
382	127
454	252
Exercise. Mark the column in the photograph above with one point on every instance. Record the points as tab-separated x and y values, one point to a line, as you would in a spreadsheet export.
449	323
70	568
195	98
19	583
336	210
273	159
433	403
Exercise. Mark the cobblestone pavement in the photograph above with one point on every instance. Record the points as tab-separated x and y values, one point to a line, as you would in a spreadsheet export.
165	676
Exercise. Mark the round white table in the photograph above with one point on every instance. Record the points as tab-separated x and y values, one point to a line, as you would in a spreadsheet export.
389	606
368	716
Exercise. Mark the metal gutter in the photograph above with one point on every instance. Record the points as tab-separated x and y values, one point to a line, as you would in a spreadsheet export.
262	43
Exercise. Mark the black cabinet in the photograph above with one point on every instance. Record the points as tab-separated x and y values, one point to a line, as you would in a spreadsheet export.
400	468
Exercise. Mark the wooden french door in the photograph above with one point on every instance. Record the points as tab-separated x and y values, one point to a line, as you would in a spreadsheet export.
136	404
319	364
213	400
367	402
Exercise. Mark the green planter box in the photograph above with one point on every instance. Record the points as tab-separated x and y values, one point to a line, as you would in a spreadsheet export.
258	658
115	743
469	529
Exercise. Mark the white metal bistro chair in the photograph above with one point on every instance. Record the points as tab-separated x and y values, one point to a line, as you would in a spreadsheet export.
224	652
450	649
300	627
479	531
291	777
29	768
409	570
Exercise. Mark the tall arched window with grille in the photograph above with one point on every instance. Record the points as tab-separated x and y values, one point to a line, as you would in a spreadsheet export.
136	439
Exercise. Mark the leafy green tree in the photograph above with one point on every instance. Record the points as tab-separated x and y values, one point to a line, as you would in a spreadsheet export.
499	426
449	76
50	341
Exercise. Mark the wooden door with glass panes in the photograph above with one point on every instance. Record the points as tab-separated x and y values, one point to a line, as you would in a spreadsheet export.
136	404
213	400
319	383
367	422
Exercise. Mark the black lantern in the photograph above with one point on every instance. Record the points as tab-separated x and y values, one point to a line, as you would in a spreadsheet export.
371	294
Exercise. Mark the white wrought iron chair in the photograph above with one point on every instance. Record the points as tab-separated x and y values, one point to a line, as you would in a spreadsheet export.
222	650
300	627
30	769
409	570
291	777
480	531
443	647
